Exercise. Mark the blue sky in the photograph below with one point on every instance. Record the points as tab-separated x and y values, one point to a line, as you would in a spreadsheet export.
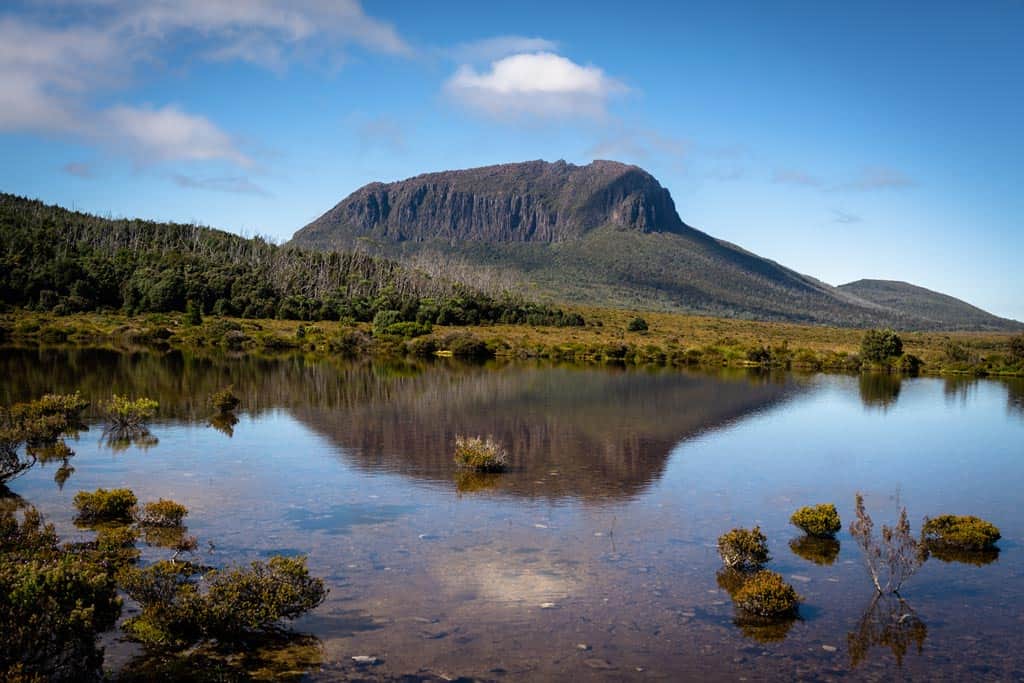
844	140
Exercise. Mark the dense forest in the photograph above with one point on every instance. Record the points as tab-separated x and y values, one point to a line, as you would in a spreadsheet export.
53	259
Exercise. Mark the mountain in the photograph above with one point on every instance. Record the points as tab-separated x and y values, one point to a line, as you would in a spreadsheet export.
605	233
947	312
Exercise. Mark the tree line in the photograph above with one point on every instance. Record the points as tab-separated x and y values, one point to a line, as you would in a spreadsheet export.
62	261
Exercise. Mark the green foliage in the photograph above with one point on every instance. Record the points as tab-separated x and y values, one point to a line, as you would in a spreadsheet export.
1017	348
115	505
479	454
236	602
878	346
743	549
66	262
37	425
193	314
909	364
964	532
53	603
162	513
817	520
224	401
637	324
467	346
767	594
123	413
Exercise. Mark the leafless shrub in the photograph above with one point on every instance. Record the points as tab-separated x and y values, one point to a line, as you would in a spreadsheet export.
891	559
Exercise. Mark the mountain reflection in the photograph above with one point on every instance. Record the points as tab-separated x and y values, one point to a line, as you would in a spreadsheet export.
587	432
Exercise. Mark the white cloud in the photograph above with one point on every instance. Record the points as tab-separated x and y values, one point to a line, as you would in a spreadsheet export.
169	134
538	84
57	78
489	49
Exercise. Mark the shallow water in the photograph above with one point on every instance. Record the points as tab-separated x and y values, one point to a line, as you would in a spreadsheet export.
594	557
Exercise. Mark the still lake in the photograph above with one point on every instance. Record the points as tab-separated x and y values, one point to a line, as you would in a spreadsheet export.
594	557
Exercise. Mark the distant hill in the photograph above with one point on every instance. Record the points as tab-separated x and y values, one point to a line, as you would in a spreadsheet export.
605	233
947	312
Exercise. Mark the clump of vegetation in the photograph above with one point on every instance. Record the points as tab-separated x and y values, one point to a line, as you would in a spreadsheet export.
480	454
179	609
823	551
962	532
224	423
165	513
115	505
125	415
744	549
892	558
30	431
467	346
878	346
55	601
766	594
224	401
817	520
472	481
637	324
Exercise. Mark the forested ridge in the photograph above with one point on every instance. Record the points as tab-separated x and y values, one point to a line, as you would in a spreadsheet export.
66	261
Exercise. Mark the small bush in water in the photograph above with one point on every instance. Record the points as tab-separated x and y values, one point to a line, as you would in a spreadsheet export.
115	505
125	414
162	513
236	602
964	532
817	520
743	549
767	594
479	454
224	401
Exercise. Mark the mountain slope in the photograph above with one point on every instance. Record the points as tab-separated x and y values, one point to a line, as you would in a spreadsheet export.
946	311
605	233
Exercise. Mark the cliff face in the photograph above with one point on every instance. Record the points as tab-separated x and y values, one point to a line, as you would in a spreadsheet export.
533	201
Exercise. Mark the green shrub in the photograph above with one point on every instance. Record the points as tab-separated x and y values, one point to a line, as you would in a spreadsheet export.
766	594
422	347
479	454
235	603
162	513
878	346
637	324
817	520
823	551
115	505
124	414
224	401
743	549
1017	348
53	603
963	532
467	346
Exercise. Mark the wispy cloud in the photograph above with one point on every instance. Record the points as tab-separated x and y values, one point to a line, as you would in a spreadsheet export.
727	174
791	176
845	217
490	49
233	184
878	178
541	84
640	145
78	169
382	131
